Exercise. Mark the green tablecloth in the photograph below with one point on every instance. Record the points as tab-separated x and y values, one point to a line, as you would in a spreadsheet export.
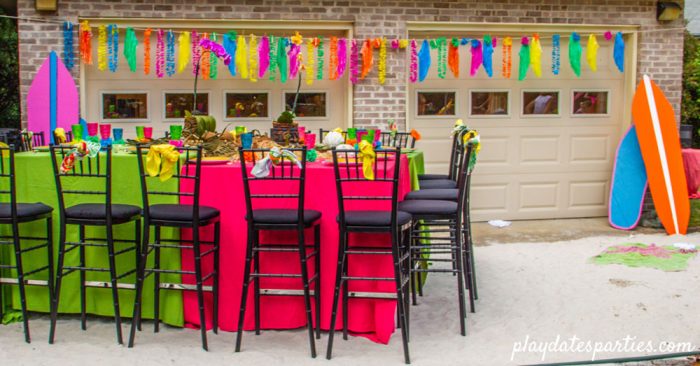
35	183
416	166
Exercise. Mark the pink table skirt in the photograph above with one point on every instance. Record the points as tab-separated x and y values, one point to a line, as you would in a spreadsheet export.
691	163
222	187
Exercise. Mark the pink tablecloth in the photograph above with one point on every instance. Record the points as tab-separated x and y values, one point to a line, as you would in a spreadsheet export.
222	187
691	163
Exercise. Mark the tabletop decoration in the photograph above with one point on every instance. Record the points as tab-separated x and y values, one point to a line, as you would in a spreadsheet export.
118	136
592	52
59	135
423	60
161	161
77	130
575	53
619	52
105	132
85	42
92	132
367	155
130	43
183	51
536	55
262	167
82	149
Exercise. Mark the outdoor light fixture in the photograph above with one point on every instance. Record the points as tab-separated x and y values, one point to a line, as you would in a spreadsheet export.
46	5
668	10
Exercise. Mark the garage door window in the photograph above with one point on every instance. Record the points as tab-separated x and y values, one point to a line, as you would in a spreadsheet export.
246	105
177	103
540	103
309	105
586	102
488	103
125	106
436	103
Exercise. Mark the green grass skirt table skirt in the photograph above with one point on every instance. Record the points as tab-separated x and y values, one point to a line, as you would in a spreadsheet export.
35	183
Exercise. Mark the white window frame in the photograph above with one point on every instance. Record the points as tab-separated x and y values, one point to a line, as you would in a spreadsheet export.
125	120
589	115
247	119
293	91
435	116
489	116
540	90
181	91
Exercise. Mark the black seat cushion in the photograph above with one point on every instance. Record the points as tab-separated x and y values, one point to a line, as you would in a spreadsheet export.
98	211
283	216
432	176
428	207
175	212
443	194
374	218
25	209
437	184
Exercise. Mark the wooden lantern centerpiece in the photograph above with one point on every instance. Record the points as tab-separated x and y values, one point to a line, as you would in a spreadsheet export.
284	129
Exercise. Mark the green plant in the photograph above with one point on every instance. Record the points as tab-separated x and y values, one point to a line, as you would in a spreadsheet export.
9	74
286	117
690	102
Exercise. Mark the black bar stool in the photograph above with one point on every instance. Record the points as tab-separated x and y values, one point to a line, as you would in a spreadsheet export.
192	216
13	213
104	214
288	177
349	173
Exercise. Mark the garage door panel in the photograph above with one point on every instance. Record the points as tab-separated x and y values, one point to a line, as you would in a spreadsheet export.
538	150
538	196
590	149
586	194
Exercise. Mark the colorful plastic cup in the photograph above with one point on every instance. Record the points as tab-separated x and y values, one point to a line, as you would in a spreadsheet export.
175	132
377	135
148	133
247	140
369	137
240	130
105	130
310	140
140	132
92	128
77	130
118	135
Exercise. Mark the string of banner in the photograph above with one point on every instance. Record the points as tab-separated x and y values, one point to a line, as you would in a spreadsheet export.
280	58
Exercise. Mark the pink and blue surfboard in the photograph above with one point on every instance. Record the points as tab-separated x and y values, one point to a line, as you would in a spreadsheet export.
53	99
629	184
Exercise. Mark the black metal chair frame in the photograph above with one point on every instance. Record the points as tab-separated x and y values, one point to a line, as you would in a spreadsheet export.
194	244
86	169
36	139
398	139
424	247
285	171
7	172
399	244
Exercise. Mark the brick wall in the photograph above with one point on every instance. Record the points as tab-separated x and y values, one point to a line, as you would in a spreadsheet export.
660	53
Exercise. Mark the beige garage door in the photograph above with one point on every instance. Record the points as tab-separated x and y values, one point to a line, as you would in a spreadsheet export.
548	143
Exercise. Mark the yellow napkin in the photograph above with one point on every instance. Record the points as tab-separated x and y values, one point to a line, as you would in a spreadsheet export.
161	158
60	135
367	155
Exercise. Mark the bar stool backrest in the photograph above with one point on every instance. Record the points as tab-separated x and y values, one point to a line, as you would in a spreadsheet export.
191	160
7	178
464	179
285	176
84	171
350	180
32	139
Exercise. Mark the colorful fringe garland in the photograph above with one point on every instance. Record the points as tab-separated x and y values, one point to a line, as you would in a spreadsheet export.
160	50
282	59
342	56
333	59
130	43
319	59
184	52
507	63
441	45
487	62
264	56
294	55
367	58
382	61
273	59
170	54
423	60
413	75
575	53
477	57
102	48
592	52
536	55
556	54
204	59
230	47
113	42
242	57
68	53
147	51
524	58
353	61
196	53
453	57
85	42
309	62
213	60
619	52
